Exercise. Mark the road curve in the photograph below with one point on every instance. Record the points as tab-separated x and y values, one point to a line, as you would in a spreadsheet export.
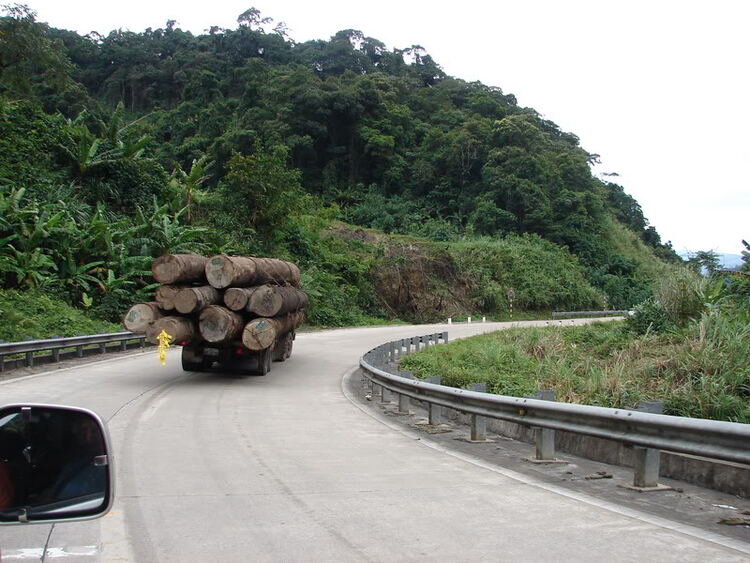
215	467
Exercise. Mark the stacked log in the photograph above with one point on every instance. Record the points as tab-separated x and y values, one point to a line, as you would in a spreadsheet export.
179	268
240	271
221	299
260	334
181	329
219	324
141	315
195	299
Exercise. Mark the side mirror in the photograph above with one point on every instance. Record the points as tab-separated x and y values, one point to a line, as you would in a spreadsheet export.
55	465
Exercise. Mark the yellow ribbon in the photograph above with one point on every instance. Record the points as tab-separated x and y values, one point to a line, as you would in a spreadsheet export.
164	341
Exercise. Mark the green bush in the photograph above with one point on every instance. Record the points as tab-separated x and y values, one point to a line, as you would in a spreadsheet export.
648	316
543	275
682	295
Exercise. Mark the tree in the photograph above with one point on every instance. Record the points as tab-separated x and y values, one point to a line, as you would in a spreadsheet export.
188	183
261	191
251	18
704	260
30	61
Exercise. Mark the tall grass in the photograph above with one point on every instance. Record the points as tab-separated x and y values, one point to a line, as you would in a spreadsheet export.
702	371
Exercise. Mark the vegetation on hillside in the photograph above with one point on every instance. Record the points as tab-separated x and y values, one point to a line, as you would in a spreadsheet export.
34	315
117	148
689	347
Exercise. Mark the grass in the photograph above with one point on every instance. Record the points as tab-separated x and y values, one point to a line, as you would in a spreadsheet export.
35	315
701	371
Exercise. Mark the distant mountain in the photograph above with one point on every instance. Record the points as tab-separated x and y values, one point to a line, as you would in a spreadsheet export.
731	261
728	261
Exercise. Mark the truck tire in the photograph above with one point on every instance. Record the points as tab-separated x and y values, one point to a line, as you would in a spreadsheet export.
283	348
192	359
288	351
264	361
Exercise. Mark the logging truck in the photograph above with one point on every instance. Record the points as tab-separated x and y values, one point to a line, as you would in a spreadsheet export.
265	344
239	312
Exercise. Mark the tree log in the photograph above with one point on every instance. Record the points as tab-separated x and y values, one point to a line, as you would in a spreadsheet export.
140	315
237	298
181	329
179	268
241	271
271	300
192	299
165	296
218	324
260	334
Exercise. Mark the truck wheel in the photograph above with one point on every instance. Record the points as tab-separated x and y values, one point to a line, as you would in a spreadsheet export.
288	351
192	359
283	349
264	362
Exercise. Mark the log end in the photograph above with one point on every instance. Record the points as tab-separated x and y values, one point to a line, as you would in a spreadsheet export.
220	271
259	334
166	269
266	301
235	298
186	302
139	316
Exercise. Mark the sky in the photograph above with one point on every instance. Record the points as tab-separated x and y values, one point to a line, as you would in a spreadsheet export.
659	89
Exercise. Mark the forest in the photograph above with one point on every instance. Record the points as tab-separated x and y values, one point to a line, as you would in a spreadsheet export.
385	179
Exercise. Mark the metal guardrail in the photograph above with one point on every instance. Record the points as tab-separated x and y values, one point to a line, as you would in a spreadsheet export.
728	441
616	313
32	347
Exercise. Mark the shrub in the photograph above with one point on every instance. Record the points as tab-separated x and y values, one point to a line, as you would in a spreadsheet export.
648	316
681	295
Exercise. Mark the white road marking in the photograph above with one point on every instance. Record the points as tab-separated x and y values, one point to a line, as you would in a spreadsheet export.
25	554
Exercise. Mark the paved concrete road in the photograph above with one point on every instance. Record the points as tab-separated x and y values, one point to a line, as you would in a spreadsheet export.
212	467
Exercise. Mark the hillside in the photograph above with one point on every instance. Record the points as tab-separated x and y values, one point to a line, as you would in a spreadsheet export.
116	148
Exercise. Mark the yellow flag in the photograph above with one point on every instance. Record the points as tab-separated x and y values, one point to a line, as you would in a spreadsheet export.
164	341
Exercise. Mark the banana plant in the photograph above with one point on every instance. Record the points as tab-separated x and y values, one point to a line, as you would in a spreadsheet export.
30	269
74	276
84	147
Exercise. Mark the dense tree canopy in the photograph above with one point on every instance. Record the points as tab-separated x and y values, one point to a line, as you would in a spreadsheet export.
382	137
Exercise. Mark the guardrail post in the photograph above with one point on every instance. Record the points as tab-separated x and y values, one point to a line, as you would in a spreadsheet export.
445	338
79	351
478	422
435	411
143	342
415	341
2	363
545	437
56	355
124	345
376	389
30	359
646	461
102	348
403	403
385	395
